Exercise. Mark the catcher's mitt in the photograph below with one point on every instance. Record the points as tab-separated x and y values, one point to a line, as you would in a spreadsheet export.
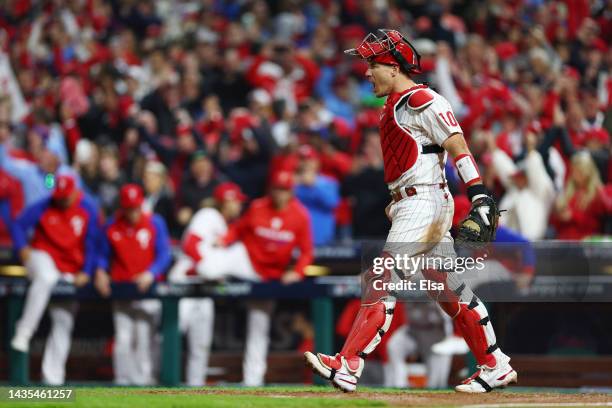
474	229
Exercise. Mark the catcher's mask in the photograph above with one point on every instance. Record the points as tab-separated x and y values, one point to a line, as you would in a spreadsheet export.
391	48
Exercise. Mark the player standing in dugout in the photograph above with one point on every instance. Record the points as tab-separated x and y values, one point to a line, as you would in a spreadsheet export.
417	129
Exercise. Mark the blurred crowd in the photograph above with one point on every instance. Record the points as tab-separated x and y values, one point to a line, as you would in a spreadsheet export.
181	95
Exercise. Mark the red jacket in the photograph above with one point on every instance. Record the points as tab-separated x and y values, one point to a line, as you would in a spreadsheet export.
68	235
130	249
583	221
270	237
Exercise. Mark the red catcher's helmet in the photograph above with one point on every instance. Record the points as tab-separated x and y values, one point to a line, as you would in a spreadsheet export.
389	47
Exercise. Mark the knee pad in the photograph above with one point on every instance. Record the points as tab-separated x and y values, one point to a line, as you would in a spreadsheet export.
370	294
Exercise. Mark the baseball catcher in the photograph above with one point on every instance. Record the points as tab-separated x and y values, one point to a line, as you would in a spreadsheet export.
418	130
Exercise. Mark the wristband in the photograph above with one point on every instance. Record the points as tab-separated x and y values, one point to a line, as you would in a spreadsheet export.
476	190
467	168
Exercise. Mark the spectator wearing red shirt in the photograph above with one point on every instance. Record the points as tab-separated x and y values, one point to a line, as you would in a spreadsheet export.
580	209
284	73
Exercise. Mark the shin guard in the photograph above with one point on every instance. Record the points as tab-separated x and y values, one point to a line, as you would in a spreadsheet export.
371	323
475	326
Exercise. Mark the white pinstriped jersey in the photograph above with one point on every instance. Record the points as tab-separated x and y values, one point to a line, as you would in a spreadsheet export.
209	225
431	124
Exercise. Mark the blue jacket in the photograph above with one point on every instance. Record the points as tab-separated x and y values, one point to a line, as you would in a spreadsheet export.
321	200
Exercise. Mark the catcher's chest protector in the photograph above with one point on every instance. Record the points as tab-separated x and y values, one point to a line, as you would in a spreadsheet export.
399	147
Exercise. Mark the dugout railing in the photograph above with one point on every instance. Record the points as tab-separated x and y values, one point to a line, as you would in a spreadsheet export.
586	280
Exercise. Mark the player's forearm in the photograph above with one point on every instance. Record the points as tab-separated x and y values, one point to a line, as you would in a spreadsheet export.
466	165
456	146
306	254
161	263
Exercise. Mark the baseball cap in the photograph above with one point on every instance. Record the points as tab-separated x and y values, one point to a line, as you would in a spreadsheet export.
131	196
228	191
534	127
307	152
64	187
282	179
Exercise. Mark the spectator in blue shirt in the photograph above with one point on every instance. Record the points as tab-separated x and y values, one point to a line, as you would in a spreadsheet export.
37	179
335	92
319	194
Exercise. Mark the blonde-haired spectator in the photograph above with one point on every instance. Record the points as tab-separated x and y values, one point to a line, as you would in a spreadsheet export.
580	208
158	196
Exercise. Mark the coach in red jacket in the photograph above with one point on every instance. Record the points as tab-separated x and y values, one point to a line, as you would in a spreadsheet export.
62	247
135	248
270	230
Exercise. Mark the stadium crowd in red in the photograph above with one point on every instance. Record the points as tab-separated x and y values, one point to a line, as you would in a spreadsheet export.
182	95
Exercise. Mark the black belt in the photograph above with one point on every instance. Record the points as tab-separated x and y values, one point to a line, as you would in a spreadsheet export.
433	148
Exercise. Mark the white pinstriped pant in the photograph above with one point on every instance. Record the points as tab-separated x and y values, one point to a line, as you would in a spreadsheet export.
424	219
421	225
197	315
135	323
44	275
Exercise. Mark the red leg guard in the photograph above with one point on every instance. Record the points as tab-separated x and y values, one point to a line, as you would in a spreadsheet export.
469	324
456	330
370	325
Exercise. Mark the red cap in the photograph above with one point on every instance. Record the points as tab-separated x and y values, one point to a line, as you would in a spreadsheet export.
282	179
307	152
534	127
599	45
131	196
228	191
182	130
64	187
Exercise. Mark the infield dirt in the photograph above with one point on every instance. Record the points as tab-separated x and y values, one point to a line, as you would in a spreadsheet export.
419	399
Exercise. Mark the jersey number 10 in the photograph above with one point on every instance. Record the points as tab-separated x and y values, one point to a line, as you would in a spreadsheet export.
451	119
